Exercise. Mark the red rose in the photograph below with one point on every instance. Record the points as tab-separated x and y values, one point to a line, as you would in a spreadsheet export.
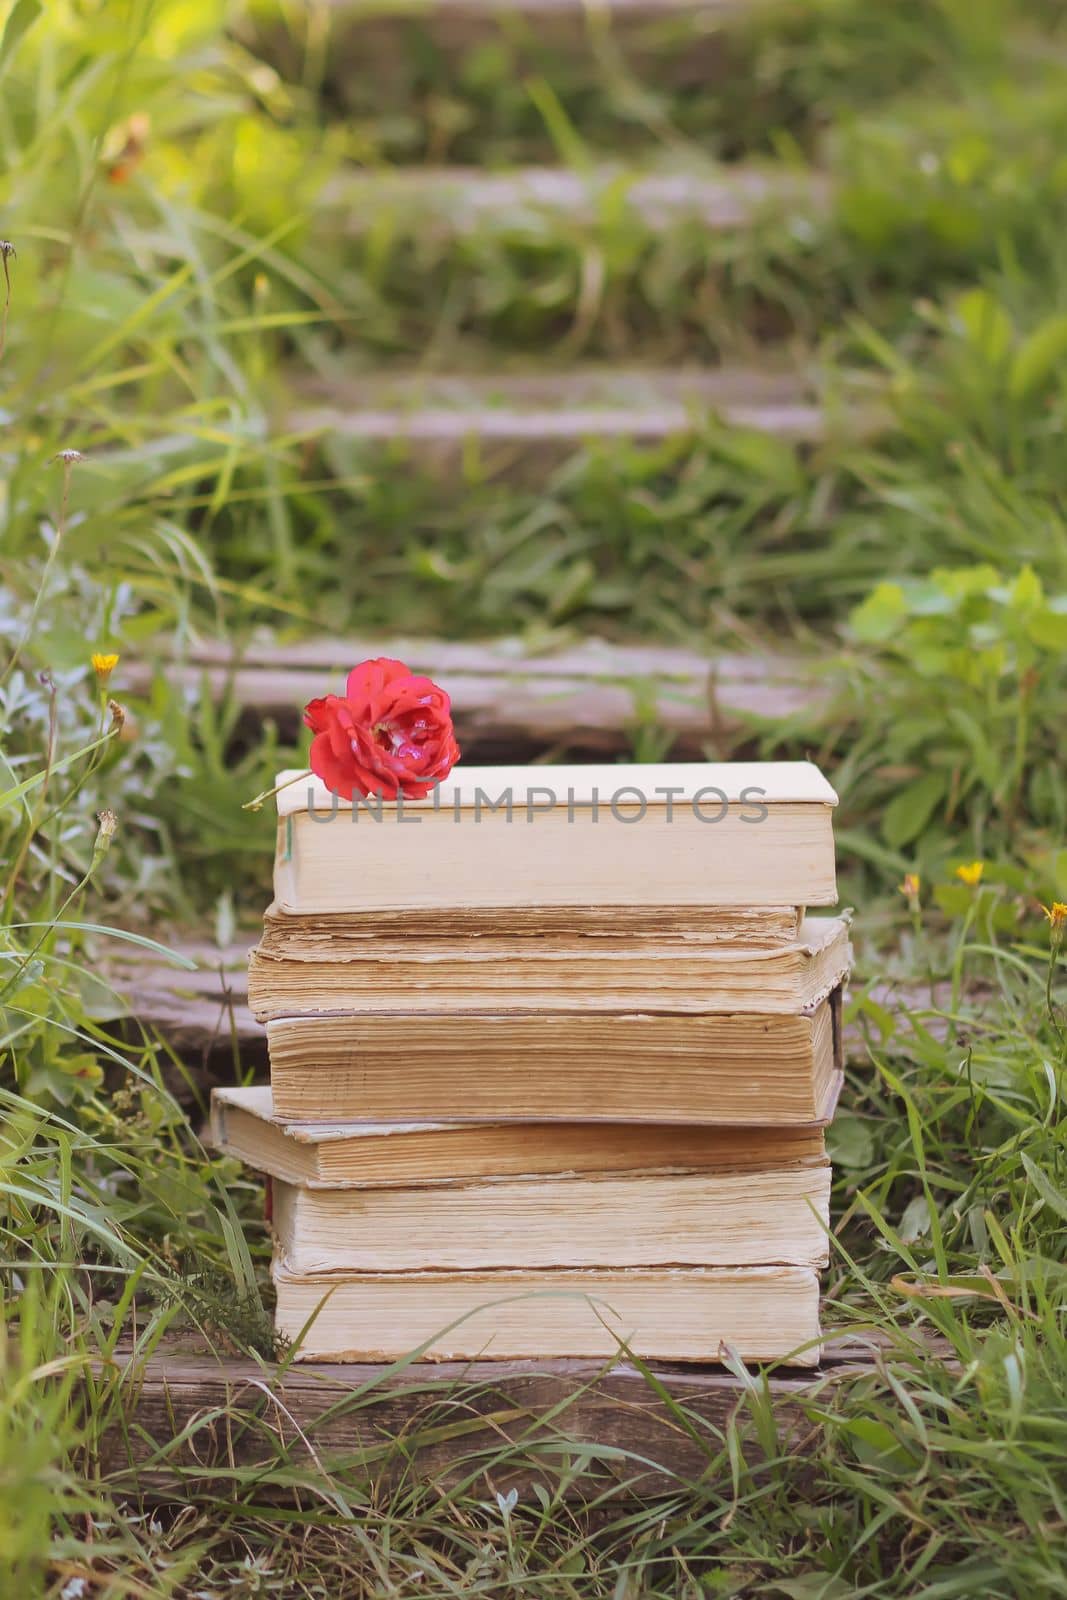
391	732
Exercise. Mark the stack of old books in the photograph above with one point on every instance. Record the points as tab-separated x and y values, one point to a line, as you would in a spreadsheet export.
552	1056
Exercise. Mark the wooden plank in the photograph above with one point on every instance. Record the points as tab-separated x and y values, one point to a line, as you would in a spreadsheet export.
539	11
202	1015
452	201
522	422
590	698
685	40
494	1425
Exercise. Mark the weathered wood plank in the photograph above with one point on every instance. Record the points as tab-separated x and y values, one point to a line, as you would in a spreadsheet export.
539	10
452	201
522	422
686	39
589	698
495	1425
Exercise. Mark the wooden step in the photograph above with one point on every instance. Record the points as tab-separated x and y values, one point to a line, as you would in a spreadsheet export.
202	1014
591	697
492	1425
450	201
519	423
542	11
684	39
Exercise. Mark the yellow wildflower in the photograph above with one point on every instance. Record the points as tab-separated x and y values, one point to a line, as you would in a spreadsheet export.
1056	914
971	873
910	886
104	664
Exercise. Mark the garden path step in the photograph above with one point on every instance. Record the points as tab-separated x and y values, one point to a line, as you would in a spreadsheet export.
683	37
188	1411
592	697
456	200
542	10
520	420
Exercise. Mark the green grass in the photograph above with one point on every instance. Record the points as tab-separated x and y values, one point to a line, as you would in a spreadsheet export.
519	91
923	202
154	325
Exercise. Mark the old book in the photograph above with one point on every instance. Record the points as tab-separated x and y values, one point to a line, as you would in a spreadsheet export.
764	1216
545	974
572	1066
660	1313
699	834
376	1155
291	933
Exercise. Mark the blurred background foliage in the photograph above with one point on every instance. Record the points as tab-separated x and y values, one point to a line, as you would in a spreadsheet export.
188	268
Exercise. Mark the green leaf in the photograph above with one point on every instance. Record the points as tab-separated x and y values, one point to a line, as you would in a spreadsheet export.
954	899
879	616
814	1586
915	1221
985	324
1048	629
122	934
932	661
1054	1198
884	1019
27	785
1026	592
989	764
962	582
1038	357
877	1444
23	15
850	1142
908	812
929	597
84	1066
967	157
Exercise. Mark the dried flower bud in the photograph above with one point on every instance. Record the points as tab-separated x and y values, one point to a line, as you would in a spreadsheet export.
106	832
910	887
118	716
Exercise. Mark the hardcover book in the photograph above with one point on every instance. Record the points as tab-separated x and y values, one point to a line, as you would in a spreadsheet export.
714	1218
315	975
663	1313
695	835
738	1068
378	1155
